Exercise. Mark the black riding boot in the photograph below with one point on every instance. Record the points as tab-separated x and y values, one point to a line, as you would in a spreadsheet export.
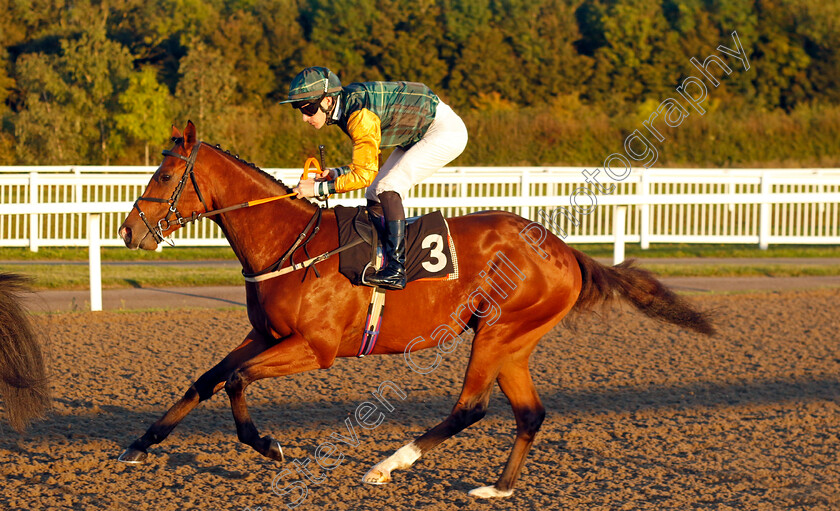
392	276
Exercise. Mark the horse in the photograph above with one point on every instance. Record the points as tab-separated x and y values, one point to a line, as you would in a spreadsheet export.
24	385
303	321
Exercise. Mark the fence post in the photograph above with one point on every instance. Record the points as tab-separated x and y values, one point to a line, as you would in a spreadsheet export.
77	188
33	217
462	188
644	212
619	222
764	213
94	261
525	193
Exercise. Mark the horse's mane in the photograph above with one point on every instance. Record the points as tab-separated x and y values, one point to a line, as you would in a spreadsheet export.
218	147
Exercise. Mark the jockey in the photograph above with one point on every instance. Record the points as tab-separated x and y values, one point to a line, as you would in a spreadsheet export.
425	132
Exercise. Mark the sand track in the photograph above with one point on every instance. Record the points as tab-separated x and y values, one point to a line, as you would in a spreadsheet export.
640	416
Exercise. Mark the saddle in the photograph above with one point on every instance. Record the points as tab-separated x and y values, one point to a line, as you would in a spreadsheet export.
430	253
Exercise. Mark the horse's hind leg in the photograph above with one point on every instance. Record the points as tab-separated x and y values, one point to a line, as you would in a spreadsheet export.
470	408
205	387
491	357
515	381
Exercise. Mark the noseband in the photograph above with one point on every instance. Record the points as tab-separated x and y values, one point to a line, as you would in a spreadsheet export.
164	223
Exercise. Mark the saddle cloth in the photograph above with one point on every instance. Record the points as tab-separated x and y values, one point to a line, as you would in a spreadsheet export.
430	252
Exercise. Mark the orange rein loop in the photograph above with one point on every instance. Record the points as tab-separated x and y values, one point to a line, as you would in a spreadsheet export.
257	202
307	169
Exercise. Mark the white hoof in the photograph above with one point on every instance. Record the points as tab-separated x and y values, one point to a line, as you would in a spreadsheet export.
403	458
376	476
489	492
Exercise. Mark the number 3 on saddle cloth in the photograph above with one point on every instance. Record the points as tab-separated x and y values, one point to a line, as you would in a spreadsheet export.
430	255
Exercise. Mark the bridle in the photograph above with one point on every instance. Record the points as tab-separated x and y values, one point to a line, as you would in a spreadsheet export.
274	270
164	223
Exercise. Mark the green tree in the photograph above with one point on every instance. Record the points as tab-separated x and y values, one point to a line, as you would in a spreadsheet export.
282	39
97	70
352	36
48	130
414	54
475	75
741	16
11	33
36	21
572	71
240	39
6	136
159	32
641	56
145	105
818	24
205	89
69	98
542	35
460	19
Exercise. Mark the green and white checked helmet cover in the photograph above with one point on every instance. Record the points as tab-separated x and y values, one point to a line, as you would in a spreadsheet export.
313	83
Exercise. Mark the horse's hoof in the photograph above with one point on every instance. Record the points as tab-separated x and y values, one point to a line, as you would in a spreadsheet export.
133	456
375	476
275	451
490	492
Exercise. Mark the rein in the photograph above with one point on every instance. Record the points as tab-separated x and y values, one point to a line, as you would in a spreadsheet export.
268	273
164	223
275	270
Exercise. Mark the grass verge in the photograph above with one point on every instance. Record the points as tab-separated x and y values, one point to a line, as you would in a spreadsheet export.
633	250
117	254
737	270
66	277
592	249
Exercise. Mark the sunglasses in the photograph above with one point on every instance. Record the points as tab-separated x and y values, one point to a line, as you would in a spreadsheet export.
309	109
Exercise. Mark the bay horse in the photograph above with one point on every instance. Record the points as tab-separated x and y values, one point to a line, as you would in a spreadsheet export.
301	322
24	385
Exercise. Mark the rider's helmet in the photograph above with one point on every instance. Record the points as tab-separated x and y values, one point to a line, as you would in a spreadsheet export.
312	85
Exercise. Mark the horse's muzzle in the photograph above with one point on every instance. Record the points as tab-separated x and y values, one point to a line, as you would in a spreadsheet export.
125	233
136	236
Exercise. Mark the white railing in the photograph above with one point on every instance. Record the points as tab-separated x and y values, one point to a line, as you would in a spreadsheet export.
66	206
49	206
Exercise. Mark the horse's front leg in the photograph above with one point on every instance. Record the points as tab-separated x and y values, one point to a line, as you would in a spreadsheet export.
291	355
205	387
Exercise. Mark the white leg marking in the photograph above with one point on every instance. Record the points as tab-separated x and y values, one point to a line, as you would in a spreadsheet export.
403	458
489	492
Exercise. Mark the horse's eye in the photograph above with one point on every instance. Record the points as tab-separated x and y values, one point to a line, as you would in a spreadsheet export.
165	177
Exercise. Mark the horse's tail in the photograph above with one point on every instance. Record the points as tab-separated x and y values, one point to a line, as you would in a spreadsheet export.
600	284
24	387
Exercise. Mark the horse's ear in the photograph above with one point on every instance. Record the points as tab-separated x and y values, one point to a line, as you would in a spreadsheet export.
176	133
189	135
